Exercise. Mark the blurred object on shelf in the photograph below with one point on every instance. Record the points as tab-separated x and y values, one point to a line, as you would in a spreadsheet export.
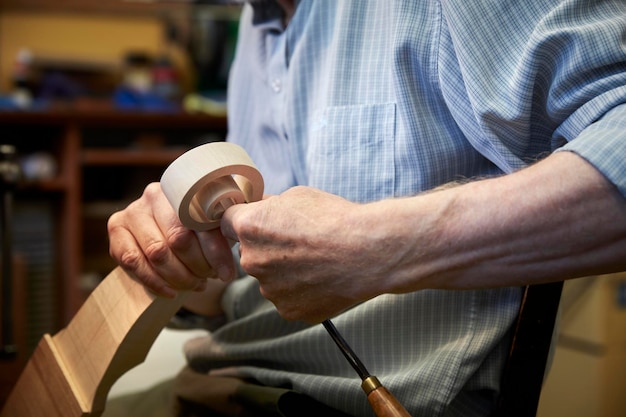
40	81
165	79
34	228
147	85
211	47
68	57
165	75
9	177
136	74
66	78
11	102
39	166
213	103
126	98
22	79
58	85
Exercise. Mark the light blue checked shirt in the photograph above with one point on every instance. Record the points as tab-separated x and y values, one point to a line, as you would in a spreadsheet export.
378	99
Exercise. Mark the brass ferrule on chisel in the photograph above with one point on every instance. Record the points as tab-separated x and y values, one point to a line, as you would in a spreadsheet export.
370	383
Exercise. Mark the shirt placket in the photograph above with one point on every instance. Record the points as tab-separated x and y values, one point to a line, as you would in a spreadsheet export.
276	78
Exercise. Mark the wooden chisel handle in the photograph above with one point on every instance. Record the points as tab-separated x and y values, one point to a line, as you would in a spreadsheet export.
381	400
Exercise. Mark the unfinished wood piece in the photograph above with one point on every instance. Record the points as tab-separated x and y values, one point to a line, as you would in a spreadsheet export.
70	374
202	183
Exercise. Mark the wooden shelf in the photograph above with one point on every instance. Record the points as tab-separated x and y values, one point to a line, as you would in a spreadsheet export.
122	7
57	184
97	149
130	157
106	117
95	6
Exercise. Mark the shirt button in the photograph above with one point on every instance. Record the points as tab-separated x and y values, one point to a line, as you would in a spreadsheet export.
276	85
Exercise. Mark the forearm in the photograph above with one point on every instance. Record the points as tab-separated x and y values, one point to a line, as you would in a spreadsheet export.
556	220
316	254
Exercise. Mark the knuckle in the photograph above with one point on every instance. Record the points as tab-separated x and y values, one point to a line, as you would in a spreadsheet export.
152	190
116	223
157	253
130	260
179	238
249	266
247	225
113	221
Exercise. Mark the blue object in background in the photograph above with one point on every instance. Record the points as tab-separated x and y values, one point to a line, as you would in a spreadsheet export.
125	98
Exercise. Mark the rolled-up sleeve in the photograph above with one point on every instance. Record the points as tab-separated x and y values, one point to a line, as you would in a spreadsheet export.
603	144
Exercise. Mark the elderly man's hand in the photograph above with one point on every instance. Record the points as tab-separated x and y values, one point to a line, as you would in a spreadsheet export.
307	250
148	240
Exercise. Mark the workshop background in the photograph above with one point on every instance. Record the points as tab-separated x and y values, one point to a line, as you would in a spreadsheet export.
96	99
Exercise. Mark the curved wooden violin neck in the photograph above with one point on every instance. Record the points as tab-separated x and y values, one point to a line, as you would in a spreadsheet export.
70	374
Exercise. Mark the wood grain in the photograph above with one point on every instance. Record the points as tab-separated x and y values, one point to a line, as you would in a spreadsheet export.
70	374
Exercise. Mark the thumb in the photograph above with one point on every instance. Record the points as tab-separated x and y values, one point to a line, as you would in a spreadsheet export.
237	216
227	224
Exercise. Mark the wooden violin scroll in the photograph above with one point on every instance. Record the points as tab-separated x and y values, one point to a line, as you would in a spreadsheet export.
70	374
202	183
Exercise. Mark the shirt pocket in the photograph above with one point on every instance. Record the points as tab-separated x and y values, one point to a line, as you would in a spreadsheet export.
351	151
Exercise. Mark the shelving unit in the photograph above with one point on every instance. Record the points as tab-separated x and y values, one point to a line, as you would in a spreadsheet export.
94	6
104	158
